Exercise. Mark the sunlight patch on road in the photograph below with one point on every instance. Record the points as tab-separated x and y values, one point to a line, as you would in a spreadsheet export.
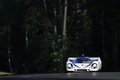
94	73
68	74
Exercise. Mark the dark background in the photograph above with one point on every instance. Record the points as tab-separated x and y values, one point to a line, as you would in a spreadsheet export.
31	33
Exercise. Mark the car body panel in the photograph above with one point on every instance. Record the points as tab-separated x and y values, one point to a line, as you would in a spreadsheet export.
93	64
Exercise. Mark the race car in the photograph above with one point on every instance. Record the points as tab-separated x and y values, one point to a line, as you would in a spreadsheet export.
77	64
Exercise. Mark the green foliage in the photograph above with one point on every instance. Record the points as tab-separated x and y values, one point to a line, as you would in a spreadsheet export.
31	52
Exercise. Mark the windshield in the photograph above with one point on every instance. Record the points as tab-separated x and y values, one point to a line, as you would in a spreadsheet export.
82	61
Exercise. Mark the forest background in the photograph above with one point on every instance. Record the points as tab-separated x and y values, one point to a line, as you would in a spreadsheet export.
35	39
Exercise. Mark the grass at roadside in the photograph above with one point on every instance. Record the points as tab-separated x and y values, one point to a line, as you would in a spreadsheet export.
4	73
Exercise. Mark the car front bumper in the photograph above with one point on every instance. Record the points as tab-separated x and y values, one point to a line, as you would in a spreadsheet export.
80	70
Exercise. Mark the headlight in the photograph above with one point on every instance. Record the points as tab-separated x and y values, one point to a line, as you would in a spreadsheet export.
94	66
70	66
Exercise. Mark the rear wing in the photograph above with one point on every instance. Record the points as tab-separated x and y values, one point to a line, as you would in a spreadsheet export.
72	58
95	58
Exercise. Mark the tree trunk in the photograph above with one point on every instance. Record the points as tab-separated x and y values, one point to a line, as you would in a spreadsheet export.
103	43
63	36
26	39
55	26
60	6
77	7
9	52
46	20
115	46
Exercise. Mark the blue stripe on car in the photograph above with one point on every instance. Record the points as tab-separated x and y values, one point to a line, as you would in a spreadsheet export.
91	63
74	64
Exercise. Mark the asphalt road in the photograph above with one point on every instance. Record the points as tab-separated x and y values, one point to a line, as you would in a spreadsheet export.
66	76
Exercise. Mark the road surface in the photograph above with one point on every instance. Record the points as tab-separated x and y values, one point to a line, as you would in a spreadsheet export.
66	76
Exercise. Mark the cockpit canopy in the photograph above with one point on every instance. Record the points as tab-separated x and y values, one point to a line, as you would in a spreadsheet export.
83	60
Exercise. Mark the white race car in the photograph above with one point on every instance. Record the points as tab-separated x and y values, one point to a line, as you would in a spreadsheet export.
77	64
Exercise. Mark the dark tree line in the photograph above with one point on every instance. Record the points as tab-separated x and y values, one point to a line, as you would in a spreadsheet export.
37	36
